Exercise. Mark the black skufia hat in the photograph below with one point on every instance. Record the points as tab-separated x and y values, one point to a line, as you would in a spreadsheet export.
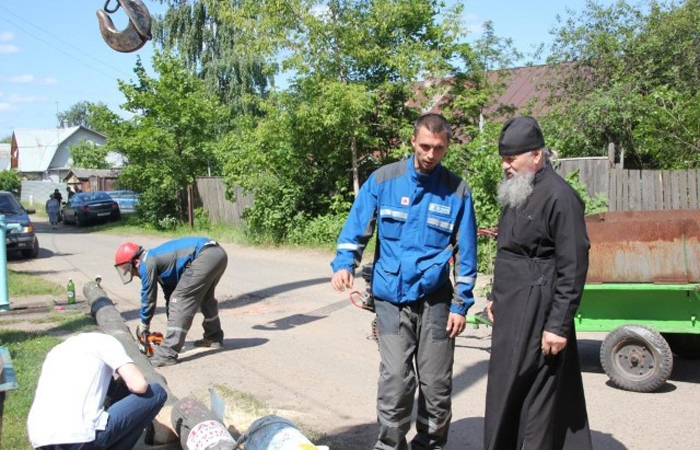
520	135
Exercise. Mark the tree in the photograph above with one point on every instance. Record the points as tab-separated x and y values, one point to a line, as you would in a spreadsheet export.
628	75
6	139
10	181
354	65
79	115
87	155
212	44
168	142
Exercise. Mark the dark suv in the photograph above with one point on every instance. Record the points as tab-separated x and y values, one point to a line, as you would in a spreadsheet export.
22	239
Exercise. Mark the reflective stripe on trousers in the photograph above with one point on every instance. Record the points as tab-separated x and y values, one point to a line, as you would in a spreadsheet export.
413	340
194	293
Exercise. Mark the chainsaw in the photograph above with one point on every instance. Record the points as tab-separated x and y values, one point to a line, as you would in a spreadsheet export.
148	341
366	300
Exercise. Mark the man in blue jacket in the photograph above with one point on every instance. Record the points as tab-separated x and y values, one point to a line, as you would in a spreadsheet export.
425	218
188	270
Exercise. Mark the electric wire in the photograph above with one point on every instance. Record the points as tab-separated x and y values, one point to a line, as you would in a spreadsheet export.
86	64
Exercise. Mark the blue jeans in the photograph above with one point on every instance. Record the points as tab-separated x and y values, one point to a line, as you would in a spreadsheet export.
129	415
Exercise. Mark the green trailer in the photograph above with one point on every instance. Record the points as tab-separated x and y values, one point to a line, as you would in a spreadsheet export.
643	289
646	323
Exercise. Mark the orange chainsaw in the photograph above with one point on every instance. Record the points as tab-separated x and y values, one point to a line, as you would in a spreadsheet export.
148	341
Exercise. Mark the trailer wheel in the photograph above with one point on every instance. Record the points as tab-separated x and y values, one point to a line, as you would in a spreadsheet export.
636	358
685	345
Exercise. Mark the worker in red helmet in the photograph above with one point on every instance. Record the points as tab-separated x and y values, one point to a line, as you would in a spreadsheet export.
187	270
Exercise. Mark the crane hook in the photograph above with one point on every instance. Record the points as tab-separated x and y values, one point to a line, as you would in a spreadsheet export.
135	35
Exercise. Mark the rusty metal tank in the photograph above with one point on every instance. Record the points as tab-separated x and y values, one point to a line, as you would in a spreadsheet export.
644	247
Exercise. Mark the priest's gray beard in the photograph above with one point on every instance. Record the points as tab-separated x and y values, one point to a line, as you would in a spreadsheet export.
515	191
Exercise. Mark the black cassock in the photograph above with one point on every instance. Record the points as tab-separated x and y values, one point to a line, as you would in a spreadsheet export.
536	402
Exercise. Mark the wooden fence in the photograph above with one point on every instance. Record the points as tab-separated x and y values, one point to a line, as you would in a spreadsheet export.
211	192
593	172
649	190
635	190
626	190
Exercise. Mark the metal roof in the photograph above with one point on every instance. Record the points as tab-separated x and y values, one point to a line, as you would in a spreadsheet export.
524	91
37	146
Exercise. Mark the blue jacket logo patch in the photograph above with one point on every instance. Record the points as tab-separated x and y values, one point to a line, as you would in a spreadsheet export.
439	209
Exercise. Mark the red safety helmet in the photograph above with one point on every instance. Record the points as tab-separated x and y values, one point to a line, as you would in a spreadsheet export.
124	260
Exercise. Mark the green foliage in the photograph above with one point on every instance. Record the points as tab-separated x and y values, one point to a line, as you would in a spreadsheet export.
295	158
480	165
159	207
87	155
79	115
594	205
354	65
209	37
628	75
6	140
10	180
201	221
169	141
321	231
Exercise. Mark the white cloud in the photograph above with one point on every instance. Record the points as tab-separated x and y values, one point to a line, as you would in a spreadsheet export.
8	48
48	81
476	29
31	79
14	98
22	79
6	107
6	35
472	23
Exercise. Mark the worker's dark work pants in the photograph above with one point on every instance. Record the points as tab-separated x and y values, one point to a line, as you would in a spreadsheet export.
195	292
408	334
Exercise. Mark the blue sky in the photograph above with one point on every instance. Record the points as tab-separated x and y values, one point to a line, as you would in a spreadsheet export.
53	56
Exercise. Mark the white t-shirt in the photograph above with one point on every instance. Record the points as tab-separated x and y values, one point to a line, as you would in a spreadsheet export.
69	399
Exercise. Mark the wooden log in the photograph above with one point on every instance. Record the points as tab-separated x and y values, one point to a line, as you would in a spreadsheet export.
111	322
198	427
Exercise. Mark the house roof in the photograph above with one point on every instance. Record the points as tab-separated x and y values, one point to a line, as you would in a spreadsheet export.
37	146
524	90
87	173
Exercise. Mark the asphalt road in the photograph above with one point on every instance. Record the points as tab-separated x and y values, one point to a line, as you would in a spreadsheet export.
303	349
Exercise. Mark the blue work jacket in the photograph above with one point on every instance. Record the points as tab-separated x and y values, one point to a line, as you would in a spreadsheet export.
164	265
423	222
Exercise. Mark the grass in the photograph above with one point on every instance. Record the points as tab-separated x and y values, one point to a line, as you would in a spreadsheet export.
22	284
28	351
130	226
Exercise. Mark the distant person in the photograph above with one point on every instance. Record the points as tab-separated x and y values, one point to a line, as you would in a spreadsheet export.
534	395
53	210
188	270
71	193
79	404
425	217
57	195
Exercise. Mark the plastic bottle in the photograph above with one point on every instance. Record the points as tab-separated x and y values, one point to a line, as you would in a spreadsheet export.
71	291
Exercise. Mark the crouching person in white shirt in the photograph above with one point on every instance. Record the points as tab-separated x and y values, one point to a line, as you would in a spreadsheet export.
78	376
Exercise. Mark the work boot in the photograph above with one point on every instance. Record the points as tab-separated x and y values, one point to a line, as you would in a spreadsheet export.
208	343
157	361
